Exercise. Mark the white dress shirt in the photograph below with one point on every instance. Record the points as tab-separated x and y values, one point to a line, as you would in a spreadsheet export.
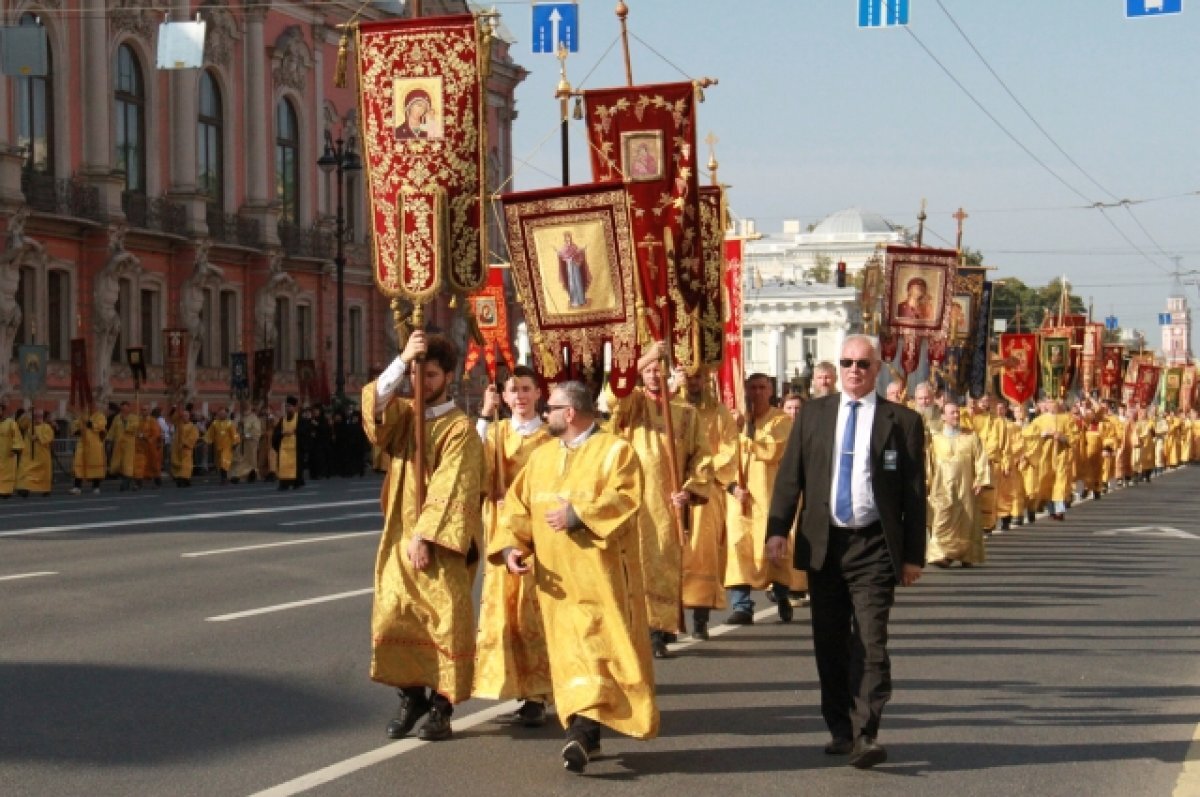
523	428
862	494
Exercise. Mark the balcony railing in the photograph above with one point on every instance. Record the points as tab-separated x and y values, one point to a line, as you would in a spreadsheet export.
66	196
311	242
159	214
231	228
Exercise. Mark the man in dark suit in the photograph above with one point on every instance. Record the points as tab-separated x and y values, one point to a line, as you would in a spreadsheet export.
858	463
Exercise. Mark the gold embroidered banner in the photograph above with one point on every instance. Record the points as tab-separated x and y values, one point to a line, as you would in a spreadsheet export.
732	373
710	332
491	314
423	126
919	288
175	346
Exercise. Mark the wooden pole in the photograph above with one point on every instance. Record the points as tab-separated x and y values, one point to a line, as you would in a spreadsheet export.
418	403
669	432
622	13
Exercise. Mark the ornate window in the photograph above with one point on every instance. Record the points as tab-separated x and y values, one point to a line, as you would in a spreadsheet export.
35	115
287	163
131	120
210	161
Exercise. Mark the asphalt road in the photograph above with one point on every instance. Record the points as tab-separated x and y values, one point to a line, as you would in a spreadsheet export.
214	641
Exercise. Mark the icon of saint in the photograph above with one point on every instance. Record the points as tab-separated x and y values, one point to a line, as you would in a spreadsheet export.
573	271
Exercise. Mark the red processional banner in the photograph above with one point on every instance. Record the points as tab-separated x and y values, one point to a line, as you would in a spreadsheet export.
918	294
1111	371
1019	372
421	92
1187	389
264	374
1145	390
81	385
491	315
575	272
1090	361
709	333
731	376
645	137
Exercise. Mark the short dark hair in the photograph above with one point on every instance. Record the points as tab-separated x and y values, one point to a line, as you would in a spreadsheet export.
442	351
760	375
523	372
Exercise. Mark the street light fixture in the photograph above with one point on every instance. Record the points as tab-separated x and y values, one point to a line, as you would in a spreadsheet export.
340	157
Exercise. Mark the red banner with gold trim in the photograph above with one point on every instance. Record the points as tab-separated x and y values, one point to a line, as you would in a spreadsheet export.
918	296
1145	390
731	375
1111	371
421	94
711	330
81	385
1019	373
1187	389
645	136
491	315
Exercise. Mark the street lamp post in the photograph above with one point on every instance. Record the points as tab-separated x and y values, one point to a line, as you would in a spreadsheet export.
340	158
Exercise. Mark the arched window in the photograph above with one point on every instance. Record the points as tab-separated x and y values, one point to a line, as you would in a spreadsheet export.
35	115
287	163
131	120
210	162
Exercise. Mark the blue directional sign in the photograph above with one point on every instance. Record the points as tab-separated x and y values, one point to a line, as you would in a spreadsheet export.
1152	8
1111	324
883	13
1164	318
554	24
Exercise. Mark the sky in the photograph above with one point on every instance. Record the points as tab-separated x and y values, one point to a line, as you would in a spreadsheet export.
814	115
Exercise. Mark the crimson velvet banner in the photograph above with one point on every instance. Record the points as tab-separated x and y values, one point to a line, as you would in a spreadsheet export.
1019	374
491	315
731	375
918	295
709	333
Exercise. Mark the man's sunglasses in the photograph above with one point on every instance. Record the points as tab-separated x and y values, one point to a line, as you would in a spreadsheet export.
863	365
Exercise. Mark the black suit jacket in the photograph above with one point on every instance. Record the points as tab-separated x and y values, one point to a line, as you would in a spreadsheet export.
807	472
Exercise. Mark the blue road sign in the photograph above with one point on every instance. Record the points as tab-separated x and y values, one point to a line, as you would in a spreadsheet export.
1164	318
1152	8
554	24
1111	323
883	13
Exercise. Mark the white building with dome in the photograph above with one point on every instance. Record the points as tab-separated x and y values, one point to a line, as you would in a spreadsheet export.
851	236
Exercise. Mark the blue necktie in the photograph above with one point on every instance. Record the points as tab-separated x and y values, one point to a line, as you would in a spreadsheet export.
844	510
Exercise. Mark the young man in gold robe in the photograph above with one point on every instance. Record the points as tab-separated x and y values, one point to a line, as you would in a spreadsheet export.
89	450
35	473
1056	435
12	443
423	617
638	419
763	438
288	441
510	649
1009	477
959	469
992	431
183	447
245	459
222	435
572	518
123	432
147	459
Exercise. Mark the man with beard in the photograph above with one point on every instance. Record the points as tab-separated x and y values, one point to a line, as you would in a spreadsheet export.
574	509
824	381
289	441
958	470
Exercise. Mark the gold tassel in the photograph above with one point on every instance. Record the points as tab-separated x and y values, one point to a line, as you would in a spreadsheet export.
339	72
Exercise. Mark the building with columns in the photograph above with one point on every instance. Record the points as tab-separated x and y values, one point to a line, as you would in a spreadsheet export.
1177	333
851	236
133	200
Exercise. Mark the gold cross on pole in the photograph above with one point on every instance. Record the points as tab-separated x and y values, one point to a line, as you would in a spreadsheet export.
651	244
960	216
712	141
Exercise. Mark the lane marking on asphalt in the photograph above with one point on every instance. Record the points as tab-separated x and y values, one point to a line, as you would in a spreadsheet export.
1188	784
334	517
389	751
42	512
29	575
255	497
184	518
260	546
283	607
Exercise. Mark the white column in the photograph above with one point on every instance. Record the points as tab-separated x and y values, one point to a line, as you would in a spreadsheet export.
257	110
185	105
778	357
95	67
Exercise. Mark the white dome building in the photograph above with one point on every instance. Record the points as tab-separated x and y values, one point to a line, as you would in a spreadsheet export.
851	235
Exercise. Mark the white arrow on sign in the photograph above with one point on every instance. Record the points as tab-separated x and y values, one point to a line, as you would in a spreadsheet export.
1149	531
555	19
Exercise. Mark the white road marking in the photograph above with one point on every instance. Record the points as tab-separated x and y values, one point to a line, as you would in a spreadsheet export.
335	517
57	512
304	541
282	607
182	518
28	575
388	751
226	497
1188	784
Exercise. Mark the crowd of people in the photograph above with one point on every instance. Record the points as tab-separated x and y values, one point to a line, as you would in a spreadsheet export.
240	443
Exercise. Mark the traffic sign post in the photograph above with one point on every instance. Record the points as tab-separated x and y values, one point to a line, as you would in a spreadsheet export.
1135	9
555	24
882	13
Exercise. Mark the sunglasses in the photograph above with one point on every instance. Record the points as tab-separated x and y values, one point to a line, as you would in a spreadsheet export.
863	365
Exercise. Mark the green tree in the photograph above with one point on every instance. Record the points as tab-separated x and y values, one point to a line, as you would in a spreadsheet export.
822	270
1034	303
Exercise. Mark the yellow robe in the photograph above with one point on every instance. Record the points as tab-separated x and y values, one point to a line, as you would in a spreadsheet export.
589	580
1195	425
746	561
1010	487
36	471
249	430
222	436
638	419
993	433
1091	469
289	462
704	555
1055	462
423	621
12	443
510	648
89	451
123	434
147	460
1143	445
957	466
183	448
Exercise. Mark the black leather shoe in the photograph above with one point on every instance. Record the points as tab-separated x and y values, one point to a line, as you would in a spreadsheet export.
785	610
532	714
867	753
660	650
575	757
839	746
700	630
410	711
436	728
740	618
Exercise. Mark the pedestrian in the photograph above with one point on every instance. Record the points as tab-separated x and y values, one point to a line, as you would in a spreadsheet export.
289	440
12	443
858	463
35	475
89	459
959	469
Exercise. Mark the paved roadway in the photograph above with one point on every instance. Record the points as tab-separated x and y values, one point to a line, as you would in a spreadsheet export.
213	641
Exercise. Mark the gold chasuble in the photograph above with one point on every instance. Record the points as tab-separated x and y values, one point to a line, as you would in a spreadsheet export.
957	465
222	436
288	468
638	419
704	556
123	434
423	621
183	446
746	528
589	581
147	459
12	443
510	649
35	473
89	451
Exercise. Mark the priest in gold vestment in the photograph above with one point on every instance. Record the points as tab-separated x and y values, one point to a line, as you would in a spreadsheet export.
958	471
423	615
183	447
35	473
571	517
89	450
122	433
12	444
288	442
222	436
510	648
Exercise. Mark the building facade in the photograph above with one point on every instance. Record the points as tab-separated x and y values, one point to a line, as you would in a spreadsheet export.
851	236
134	200
1177	332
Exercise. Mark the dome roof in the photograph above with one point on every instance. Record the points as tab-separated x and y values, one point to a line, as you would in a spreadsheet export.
852	221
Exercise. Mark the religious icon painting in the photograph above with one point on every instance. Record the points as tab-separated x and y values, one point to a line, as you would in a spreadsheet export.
960	317
918	289
417	108
642	156
485	311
